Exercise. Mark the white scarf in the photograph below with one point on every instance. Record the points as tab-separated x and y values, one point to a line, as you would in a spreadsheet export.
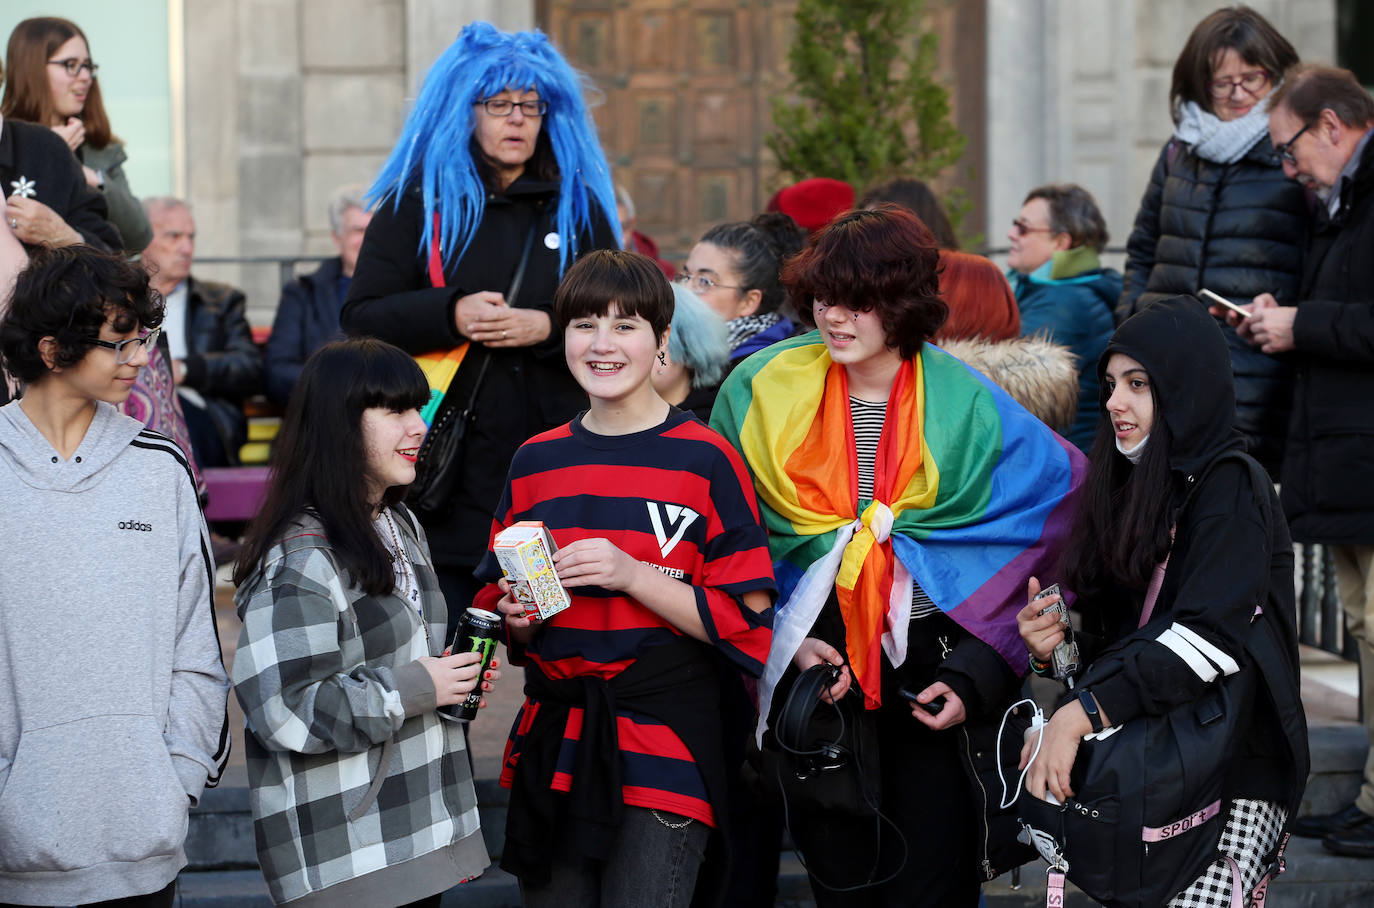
1221	141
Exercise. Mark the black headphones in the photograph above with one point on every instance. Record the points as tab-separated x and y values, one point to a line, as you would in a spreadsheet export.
794	723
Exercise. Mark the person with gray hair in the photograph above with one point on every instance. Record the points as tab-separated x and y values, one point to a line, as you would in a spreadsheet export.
308	313
698	354
1062	290
215	364
1320	121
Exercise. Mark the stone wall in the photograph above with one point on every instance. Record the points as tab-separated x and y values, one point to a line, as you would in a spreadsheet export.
1078	91
288	99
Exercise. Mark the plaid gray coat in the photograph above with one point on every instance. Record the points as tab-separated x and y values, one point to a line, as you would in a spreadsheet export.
357	785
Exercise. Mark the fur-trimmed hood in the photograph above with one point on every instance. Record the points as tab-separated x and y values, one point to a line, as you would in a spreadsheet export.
1039	375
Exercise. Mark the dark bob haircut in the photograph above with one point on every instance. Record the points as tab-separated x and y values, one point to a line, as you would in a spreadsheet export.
882	260
633	283
67	294
1239	28
319	459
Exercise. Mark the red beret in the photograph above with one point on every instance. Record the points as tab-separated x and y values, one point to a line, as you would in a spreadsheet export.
813	203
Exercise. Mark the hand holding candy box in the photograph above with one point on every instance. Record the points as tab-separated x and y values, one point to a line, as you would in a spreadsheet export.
525	553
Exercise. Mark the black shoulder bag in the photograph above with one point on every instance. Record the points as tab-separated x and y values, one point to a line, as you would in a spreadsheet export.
438	465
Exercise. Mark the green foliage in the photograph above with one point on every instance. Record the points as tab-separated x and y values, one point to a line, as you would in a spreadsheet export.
869	106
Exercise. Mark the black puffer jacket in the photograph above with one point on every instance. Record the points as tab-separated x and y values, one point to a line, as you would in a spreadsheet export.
1237	230
526	390
1328	473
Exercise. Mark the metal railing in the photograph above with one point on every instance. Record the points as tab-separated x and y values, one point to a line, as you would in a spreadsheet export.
286	265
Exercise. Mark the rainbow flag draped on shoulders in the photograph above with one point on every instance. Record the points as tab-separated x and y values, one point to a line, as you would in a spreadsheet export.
972	495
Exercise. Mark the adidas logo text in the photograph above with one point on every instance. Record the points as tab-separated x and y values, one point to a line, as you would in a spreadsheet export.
134	525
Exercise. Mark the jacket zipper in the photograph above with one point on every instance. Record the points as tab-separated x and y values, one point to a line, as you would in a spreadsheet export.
982	812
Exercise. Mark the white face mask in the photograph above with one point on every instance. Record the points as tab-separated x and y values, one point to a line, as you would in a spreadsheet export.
1134	454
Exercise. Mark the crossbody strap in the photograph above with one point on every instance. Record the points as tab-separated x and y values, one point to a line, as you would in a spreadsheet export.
436	278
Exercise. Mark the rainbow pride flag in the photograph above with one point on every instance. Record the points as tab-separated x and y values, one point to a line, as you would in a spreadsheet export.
972	495
439	368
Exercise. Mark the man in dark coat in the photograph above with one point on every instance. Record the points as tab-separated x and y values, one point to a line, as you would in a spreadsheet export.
215	363
308	314
1321	121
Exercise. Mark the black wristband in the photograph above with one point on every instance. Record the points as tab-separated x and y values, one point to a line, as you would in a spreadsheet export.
1085	697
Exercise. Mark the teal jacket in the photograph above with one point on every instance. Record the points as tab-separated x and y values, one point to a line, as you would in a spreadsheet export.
1069	300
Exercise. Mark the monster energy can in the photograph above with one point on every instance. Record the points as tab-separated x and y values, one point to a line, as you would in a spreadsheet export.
476	634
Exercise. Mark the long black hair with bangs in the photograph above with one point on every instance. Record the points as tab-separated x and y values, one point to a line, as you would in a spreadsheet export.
1124	517
319	460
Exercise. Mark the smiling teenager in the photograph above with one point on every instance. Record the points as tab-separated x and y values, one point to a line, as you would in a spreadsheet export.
116	556
360	791
616	761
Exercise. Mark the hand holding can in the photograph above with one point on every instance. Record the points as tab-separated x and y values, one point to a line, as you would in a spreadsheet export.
476	635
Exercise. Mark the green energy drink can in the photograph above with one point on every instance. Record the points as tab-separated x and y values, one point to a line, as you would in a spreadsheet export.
476	634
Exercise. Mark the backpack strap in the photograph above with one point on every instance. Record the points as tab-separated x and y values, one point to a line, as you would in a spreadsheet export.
1266	648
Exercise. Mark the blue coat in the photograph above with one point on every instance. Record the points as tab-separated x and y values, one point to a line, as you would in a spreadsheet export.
307	319
1077	313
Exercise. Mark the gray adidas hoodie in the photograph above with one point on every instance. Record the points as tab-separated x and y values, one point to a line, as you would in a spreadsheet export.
112	686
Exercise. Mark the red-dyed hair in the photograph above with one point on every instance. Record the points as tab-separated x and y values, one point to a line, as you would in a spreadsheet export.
981	304
880	259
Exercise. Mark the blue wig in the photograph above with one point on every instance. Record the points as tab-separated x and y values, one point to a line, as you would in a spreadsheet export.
700	340
433	149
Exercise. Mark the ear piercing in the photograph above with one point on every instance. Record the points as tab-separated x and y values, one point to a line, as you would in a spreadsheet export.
662	361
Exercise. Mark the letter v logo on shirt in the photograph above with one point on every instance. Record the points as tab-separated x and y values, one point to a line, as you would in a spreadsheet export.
666	517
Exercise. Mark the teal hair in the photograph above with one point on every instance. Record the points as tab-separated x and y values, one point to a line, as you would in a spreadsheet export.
700	339
433	151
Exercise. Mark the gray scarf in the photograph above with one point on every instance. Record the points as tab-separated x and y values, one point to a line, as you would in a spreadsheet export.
1221	141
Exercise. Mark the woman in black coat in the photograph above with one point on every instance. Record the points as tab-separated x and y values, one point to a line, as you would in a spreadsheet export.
439	261
1219	214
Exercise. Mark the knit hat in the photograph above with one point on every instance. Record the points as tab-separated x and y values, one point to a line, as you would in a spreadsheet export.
813	203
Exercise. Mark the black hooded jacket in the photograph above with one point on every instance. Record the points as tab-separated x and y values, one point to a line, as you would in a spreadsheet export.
1231	554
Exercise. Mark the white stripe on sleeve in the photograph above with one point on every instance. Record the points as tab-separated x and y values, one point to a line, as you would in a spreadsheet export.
1216	656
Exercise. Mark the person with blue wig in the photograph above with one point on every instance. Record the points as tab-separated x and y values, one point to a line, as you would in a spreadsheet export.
496	186
698	354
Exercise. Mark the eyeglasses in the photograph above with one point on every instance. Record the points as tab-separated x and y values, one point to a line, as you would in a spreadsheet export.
1285	151
701	283
500	107
127	349
1023	227
1252	82
73	65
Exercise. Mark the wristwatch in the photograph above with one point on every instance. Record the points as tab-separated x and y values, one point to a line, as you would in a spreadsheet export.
1085	697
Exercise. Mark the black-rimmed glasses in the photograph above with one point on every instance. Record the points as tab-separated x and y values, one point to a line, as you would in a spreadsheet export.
1285	151
74	65
128	348
501	107
1251	82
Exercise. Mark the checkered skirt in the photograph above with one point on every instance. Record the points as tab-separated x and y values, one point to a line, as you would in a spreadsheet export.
1252	829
